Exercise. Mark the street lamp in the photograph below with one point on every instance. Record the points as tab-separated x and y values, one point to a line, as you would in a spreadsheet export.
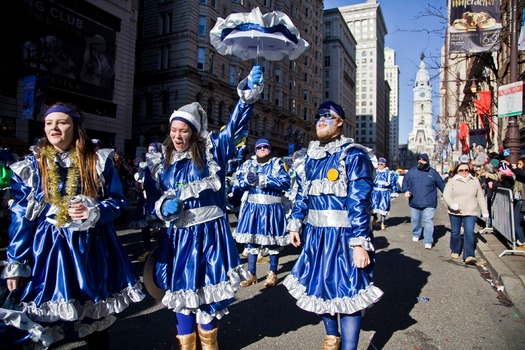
512	135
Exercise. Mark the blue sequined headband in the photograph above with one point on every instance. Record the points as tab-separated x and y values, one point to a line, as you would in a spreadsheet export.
63	109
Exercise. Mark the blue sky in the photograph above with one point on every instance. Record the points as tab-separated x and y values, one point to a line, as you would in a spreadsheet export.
411	31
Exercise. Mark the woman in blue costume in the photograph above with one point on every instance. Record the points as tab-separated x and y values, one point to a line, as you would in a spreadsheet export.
262	217
333	273
197	261
64	255
385	184
145	218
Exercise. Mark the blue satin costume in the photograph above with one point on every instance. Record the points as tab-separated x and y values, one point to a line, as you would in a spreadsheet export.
333	203
385	183
79	273
198	262
262	218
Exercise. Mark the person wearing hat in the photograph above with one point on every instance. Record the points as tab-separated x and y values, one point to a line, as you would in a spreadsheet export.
145	219
198	264
330	219
385	183
64	258
420	186
264	179
465	198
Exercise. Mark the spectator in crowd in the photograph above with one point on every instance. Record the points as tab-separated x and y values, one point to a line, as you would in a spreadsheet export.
332	276
519	200
420	186
262	218
464	198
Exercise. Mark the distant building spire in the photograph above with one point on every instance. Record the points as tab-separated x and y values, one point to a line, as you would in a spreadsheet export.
422	56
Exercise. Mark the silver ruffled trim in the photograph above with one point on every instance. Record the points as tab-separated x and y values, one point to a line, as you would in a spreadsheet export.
42	335
294	225
72	310
85	329
362	300
15	269
261	239
93	214
249	96
188	301
29	175
366	243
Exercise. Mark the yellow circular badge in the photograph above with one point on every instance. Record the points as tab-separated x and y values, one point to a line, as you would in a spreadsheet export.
332	174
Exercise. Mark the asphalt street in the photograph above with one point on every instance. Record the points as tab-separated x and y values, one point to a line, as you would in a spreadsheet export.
431	301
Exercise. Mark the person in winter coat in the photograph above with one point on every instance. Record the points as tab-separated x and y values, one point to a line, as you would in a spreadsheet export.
464	198
420	186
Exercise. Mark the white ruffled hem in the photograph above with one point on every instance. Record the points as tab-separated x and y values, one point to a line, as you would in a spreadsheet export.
362	300
244	238
72	310
189	301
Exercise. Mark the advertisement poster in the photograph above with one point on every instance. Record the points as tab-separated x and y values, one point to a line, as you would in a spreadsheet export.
474	28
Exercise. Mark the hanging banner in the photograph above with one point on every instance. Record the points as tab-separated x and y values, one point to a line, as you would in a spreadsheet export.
474	28
28	101
510	100
521	39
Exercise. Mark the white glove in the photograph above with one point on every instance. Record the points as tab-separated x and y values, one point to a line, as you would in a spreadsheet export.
454	207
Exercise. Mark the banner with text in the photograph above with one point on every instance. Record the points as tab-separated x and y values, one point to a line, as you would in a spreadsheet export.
474	26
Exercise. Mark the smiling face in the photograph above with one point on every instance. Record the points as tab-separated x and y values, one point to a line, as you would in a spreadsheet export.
328	126
59	130
180	134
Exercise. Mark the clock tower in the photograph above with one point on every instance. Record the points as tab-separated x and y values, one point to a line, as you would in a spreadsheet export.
421	138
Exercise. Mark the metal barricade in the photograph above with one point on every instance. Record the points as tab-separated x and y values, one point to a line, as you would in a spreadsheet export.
502	214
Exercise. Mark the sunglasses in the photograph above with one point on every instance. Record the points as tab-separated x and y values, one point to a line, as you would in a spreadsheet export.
463	171
380	163
258	148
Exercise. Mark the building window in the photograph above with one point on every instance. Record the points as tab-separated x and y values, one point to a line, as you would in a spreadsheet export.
165	23
232	76
200	58
202	25
328	29
327	61
164	57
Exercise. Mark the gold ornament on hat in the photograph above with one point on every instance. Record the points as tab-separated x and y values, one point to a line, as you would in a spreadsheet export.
332	174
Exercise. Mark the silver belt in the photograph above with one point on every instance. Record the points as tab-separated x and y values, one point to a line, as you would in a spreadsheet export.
191	217
263	199
328	218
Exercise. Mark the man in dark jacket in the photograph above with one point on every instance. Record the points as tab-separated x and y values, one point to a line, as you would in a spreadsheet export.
420	186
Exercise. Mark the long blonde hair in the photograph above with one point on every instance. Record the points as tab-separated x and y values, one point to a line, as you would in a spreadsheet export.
86	155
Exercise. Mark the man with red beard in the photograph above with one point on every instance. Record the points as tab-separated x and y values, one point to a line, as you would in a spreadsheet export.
332	276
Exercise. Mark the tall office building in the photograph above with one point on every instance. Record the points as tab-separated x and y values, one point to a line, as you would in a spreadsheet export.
339	66
392	77
367	24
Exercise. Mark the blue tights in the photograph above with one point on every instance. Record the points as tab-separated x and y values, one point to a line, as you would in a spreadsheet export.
350	328
186	324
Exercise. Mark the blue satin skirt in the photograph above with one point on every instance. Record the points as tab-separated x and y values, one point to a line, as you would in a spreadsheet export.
78	274
200	269
324	279
381	202
262	224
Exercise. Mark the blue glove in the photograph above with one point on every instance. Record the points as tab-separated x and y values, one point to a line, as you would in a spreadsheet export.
170	207
253	178
255	77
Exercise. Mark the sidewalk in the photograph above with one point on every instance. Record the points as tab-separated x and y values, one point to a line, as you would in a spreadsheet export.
509	269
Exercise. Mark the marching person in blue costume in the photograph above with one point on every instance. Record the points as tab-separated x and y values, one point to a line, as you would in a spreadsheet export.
385	184
198	262
64	256
145	218
330	218
263	178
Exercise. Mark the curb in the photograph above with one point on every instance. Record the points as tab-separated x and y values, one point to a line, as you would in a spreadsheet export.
514	285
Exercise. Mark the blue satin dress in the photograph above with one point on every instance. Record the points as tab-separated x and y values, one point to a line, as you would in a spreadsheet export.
262	218
79	273
198	262
333	203
385	183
